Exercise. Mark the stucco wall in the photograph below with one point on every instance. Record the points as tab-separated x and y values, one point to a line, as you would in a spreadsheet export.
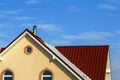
108	69
29	67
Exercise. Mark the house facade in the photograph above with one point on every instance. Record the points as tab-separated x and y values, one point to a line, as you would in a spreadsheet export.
28	57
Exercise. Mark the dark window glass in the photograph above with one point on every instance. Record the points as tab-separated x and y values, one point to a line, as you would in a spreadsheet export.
29	49
8	78
47	78
8	75
47	75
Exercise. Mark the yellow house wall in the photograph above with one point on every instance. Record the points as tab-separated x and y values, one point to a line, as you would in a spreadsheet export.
108	69
29	67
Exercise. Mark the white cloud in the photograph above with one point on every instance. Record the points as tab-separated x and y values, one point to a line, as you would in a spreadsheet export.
6	24
89	36
11	11
3	35
33	1
117	32
51	28
107	7
73	9
48	27
23	18
12	15
95	35
25	25
60	42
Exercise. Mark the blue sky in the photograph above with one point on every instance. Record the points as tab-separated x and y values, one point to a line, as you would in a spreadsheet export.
65	22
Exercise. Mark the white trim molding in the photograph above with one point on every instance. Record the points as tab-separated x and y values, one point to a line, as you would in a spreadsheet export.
108	71
1	58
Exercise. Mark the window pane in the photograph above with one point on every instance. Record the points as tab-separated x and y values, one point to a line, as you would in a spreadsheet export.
47	73
47	78
7	78
8	73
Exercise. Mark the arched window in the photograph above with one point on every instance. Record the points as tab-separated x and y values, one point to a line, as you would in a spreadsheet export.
47	75
8	75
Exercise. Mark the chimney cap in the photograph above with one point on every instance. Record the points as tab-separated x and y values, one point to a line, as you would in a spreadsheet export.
34	26
35	30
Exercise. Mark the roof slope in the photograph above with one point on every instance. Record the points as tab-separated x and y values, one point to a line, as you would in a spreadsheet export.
90	59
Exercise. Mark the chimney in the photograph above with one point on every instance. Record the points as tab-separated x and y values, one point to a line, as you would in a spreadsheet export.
35	30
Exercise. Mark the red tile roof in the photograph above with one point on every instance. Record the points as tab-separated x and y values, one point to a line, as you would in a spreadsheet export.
91	60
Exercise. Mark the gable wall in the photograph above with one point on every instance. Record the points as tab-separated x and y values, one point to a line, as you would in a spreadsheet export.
30	67
108	69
